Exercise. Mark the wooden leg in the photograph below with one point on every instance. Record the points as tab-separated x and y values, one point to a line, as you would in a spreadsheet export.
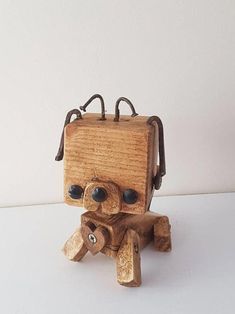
162	235
128	260
74	248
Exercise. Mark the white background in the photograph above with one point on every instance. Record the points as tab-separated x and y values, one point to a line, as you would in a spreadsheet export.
171	58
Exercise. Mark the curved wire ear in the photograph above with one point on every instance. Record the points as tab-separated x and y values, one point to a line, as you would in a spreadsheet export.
117	111
161	171
60	153
83	108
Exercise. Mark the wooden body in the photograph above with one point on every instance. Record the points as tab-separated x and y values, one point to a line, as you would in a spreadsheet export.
117	226
120	236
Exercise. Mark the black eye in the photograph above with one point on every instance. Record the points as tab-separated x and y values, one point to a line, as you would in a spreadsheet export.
75	191
99	194
130	196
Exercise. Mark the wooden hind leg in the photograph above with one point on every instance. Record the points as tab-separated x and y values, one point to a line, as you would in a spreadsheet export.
162	235
128	260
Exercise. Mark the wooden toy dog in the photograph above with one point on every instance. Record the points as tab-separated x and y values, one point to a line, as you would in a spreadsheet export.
110	169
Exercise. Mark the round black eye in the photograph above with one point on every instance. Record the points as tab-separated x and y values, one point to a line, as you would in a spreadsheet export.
75	191
99	194
130	196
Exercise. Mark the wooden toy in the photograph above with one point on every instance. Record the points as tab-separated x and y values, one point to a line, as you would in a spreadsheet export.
111	169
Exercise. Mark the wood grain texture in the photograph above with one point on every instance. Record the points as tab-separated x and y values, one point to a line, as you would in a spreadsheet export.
118	224
113	203
162	235
74	248
120	236
128	260
121	152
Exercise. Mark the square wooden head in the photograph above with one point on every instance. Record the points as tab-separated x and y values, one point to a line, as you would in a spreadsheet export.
110	166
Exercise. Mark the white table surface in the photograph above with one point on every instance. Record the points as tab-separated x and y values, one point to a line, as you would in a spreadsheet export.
198	276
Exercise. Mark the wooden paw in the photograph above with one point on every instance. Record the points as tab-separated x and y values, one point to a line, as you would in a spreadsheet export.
74	248
162	235
128	260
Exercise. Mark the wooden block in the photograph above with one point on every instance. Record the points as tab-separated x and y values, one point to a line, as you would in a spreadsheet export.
117	225
112	205
123	153
75	248
162	235
128	260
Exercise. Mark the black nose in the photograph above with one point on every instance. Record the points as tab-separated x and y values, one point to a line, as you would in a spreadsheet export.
99	194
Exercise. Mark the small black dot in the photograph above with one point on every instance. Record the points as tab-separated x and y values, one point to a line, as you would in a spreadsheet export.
130	196
75	191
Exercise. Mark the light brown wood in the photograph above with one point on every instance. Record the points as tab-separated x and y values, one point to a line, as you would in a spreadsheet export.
94	238
114	156
119	152
112	205
162	235
74	248
117	225
120	236
128	260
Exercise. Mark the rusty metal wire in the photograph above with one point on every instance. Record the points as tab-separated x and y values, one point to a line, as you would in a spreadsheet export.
83	108
162	163
60	153
117	111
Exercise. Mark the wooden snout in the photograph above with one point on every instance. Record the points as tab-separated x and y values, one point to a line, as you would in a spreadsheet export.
111	205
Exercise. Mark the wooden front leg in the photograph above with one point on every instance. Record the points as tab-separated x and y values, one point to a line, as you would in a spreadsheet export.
162	235
128	260
74	248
